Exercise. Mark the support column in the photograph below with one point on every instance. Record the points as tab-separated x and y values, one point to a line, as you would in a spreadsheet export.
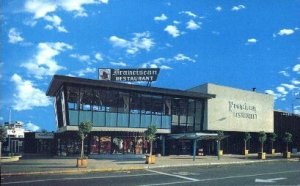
163	150
194	149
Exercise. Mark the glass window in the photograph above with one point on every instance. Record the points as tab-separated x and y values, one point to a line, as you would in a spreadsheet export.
146	104
111	101
191	115
157	105
99	97
198	115
72	97
135	110
86	98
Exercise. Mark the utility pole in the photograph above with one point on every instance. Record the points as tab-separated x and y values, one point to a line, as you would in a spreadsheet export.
9	122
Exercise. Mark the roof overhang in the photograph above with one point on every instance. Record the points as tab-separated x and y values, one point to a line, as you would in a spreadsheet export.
196	136
59	80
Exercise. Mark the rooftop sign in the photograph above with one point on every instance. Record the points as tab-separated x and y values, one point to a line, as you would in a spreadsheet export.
137	74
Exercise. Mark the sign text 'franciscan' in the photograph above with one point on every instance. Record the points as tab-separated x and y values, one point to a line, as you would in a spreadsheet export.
139	74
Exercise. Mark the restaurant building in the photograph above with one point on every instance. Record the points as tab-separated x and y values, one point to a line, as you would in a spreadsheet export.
187	120
121	113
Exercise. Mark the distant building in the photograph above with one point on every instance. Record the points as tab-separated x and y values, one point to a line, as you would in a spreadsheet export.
14	137
39	143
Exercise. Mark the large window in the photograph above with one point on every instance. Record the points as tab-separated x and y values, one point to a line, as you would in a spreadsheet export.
113	108
135	110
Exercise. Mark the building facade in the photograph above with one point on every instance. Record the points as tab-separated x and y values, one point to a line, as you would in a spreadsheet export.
14	137
185	120
235	112
121	113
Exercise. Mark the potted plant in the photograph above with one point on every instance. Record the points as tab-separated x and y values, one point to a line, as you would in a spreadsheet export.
84	129
262	137
287	138
247	137
272	138
150	136
219	138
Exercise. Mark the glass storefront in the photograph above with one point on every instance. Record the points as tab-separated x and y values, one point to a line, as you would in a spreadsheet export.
114	108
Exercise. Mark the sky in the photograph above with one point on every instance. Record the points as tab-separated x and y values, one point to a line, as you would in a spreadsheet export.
241	44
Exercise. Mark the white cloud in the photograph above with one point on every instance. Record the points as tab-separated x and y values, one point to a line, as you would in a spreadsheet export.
43	63
14	36
121	63
32	127
56	23
288	86
281	90
296	68
218	8
118	42
192	25
284	73
155	64
85	71
1	118
182	57
271	92
189	13
28	96
140	41
172	30
252	40
98	56
83	58
165	67
295	82
40	8
285	32
162	17
237	8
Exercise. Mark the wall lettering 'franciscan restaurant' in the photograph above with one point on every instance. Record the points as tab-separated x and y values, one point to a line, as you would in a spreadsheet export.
242	110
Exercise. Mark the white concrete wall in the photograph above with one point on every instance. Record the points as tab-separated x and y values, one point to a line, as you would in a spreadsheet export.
237	110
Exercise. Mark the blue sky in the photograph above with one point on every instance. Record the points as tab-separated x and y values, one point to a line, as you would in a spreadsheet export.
242	44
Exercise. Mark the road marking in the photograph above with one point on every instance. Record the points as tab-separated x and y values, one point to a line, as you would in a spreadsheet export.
74	178
174	175
271	180
222	178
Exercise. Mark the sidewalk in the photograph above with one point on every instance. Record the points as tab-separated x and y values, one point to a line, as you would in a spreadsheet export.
31	166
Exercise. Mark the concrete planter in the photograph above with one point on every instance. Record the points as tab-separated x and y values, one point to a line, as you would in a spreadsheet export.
272	151
287	154
82	162
262	155
150	159
220	152
246	152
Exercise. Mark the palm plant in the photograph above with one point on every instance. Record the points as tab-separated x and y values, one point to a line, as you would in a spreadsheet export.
150	135
247	137
262	137
287	138
84	129
272	138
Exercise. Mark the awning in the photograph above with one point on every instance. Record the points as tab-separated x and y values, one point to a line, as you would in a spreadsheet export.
197	136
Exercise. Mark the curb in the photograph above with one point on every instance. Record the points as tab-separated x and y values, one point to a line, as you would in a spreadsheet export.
79	170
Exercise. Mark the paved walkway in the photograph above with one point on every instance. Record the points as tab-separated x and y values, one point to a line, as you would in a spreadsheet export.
56	165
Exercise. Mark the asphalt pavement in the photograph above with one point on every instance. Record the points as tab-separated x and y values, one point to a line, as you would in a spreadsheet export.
267	173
